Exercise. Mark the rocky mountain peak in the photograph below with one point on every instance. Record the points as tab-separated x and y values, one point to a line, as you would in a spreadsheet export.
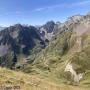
76	18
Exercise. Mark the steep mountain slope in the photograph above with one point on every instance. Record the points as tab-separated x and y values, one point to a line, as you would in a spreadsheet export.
67	57
18	42
49	30
46	31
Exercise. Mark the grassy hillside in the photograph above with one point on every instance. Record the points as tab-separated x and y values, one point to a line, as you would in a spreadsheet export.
32	82
72	47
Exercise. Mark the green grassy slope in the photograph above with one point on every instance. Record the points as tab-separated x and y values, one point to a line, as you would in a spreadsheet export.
32	82
70	46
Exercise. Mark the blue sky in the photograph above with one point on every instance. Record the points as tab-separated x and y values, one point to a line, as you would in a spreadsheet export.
37	12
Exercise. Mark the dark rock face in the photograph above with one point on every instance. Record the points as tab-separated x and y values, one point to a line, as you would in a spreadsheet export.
47	30
49	26
19	40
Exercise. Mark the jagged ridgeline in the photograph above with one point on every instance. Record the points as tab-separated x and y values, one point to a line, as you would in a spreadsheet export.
60	51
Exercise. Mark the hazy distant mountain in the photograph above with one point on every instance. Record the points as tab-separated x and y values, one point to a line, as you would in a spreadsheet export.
1	28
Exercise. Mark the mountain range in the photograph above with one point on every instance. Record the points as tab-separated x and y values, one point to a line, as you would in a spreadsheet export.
59	52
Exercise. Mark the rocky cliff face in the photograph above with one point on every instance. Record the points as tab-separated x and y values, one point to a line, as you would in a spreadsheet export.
49	30
19	40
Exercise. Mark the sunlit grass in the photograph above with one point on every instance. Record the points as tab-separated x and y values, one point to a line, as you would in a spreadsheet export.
32	82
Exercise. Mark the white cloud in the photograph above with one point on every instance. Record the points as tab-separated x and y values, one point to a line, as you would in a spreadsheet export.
39	9
17	12
82	3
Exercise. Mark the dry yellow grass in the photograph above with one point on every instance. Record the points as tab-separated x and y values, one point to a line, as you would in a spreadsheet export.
31	82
